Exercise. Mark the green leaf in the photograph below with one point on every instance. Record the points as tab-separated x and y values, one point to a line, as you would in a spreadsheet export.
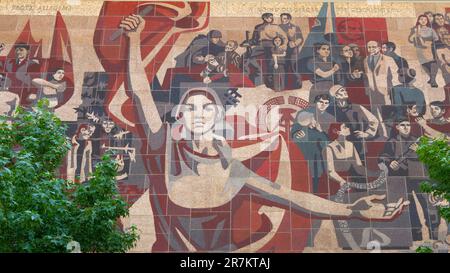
40	212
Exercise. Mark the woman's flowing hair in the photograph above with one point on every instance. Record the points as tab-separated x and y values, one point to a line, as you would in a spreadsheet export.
421	16
333	131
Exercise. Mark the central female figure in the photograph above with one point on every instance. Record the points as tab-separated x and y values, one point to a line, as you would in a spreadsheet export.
197	180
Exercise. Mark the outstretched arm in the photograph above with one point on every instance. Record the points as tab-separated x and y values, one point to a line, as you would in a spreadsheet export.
364	208
302	202
372	122
43	83
331	170
326	74
133	26
428	130
271	141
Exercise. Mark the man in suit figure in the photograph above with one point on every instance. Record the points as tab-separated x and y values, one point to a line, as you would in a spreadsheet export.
380	76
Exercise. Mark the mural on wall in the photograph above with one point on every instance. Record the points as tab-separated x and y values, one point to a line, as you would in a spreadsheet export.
288	135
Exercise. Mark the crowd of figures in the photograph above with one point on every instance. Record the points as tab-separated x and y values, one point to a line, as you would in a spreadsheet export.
346	142
96	133
270	54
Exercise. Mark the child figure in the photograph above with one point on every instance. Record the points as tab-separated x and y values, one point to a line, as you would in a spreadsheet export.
279	63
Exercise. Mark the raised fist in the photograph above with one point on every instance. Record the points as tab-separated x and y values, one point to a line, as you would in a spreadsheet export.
133	25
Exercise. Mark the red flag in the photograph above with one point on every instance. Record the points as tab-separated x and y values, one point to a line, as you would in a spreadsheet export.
61	56
162	19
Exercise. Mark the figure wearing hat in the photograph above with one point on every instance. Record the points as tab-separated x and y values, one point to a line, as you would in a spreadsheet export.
18	70
362	123
406	93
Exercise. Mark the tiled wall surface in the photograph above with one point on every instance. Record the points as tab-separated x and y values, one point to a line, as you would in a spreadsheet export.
245	126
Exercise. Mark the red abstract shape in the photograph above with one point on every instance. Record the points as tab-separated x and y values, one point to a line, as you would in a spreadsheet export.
266	164
26	37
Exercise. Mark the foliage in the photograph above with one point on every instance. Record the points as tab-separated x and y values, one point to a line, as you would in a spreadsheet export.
424	249
435	154
40	212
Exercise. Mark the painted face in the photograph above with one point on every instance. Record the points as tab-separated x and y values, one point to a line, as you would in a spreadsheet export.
285	19
373	48
322	105
347	52
384	49
436	111
324	51
59	75
230	46
341	98
423	21
356	51
215	40
213	62
351	30
269	19
440	20
429	16
108	125
277	41
404	128
21	53
199	114
345	131
86	133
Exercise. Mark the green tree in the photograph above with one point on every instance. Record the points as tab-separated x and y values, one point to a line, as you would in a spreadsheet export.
40	212
424	249
435	155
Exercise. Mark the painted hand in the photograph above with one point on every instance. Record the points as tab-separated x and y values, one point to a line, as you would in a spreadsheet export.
421	121
367	209
414	147
300	134
394	165
336	67
133	25
361	134
74	141
207	80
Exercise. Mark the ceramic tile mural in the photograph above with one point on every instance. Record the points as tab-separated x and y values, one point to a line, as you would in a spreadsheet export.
245	126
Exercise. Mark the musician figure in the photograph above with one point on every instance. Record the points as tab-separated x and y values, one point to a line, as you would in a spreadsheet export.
403	166
400	152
